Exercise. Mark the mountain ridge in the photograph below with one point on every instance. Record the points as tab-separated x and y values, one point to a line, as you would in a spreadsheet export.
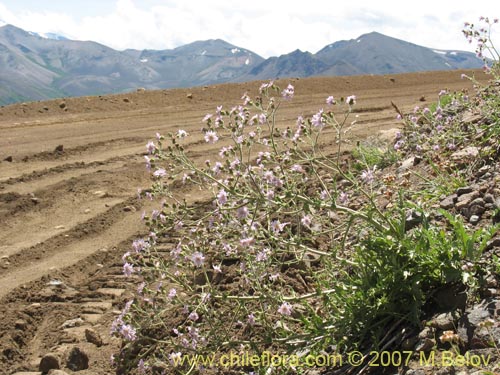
36	67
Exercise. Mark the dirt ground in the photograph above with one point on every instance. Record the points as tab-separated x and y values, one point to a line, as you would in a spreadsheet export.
69	173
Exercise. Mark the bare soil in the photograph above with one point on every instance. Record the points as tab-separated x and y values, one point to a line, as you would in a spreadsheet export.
69	175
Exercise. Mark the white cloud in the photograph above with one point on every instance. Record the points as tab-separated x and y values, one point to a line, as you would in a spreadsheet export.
263	26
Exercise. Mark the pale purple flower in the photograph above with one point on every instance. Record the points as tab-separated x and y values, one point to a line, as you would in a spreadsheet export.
277	226
128	332
222	197
367	175
160	172
442	92
306	220
251	319
158	136
193	316
142	367
242	212
172	293
262	255
317	120
217	268
399	144
207	117
297	168
288	92
285	309
182	133
128	269
451	146
150	147
148	162
262	118
323	195
330	100
198	259
246	242
343	198
418	148
217	168
351	100
139	244
141	287
175	358
269	194
211	137
435	147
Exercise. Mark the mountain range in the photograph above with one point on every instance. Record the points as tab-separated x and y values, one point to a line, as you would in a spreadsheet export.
42	66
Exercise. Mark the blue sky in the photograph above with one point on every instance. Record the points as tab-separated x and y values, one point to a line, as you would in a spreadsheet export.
267	27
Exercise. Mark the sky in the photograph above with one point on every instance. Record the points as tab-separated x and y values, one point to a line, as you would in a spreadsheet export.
266	27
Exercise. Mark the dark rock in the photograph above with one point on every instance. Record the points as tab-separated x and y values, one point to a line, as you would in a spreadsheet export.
77	360
21	325
62	105
465	200
48	362
413	218
9	159
59	148
189	96
445	321
464	190
477	315
126	100
489	198
425	345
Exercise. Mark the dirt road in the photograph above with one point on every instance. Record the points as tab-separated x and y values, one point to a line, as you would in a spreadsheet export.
69	175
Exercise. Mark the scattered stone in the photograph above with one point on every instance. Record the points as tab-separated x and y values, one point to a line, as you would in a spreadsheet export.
59	227
93	337
407	164
464	190
126	100
57	372
59	148
413	218
446	371
129	209
48	362
72	323
444	321
141	89
20	325
389	136
189	96
62	105
465	200
471	118
87	211
477	315
465	155
77	360
489	198
474	219
8	159
415	372
101	194
448	202
425	345
35	200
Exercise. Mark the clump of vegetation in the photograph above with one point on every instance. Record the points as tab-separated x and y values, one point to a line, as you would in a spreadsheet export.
295	249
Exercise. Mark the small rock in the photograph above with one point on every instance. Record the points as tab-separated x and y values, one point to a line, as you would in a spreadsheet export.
9	159
21	325
474	219
72	323
407	164
444	321
464	200
57	372
464	190
413	218
477	315
48	362
129	209
415	372
59	227
189	96
489	198
465	155
425	345
87	211
62	105
59	148
77	360
427	332
450	370
471	118
35	200
449	202
93	337
126	100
